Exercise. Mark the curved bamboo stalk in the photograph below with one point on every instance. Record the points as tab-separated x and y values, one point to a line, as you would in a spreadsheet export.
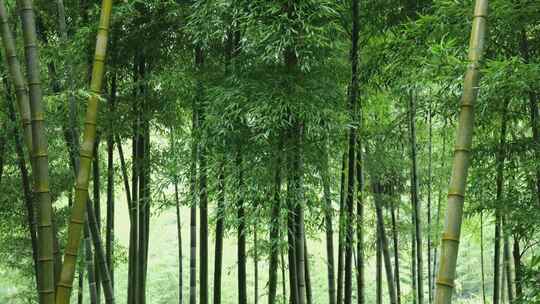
86	153
458	181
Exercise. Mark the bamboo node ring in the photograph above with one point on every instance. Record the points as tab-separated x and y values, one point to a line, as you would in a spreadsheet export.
462	149
444	282
39	154
456	194
69	253
65	285
42	259
86	154
46	291
83	189
448	237
38	116
75	221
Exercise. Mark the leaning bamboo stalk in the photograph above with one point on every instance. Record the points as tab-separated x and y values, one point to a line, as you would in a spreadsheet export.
86	153
92	226
458	181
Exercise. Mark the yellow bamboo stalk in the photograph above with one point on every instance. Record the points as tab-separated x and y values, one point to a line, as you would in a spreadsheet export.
458	181
76	223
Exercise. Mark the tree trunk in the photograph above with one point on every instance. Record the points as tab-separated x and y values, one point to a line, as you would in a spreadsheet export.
40	155
218	264
90	222
309	292
291	232
383	241
145	181
508	267
360	280
283	278
458	182
92	288
241	233
341	246
378	268
134	240
274	236
110	184
299	203
329	227
430	180
516	252
482	258
439	199
255	265
179	235
395	237
80	290
193	210
349	237
416	204
97	209
203	191
501	156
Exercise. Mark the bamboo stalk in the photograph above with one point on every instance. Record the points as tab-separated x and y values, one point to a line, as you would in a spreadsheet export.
35	139
15	72
458	181
81	189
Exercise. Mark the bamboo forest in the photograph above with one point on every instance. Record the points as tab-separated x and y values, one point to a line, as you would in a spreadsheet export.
270	151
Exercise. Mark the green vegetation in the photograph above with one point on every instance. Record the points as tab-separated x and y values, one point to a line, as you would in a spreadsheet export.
299	152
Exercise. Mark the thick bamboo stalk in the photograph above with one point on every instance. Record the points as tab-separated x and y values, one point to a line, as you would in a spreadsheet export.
91	224
81	189
15	73
39	155
458	181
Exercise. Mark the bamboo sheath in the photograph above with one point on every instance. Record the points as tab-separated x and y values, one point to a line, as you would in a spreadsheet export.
76	223
458	181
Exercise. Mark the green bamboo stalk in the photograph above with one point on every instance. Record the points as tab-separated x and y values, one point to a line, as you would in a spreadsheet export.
458	181
86	153
39	155
15	72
